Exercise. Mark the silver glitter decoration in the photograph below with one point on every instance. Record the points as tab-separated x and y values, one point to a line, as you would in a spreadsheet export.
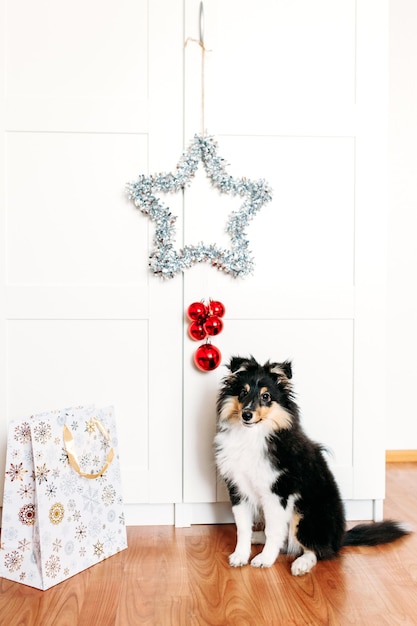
164	260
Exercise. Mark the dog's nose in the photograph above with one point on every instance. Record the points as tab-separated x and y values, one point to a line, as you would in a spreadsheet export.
246	415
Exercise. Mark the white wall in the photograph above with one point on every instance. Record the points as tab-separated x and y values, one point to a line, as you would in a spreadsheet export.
402	241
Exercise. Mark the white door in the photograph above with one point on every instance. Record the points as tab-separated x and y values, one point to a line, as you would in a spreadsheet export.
295	93
82	319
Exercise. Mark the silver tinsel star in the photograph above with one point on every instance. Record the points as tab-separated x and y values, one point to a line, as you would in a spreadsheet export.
164	260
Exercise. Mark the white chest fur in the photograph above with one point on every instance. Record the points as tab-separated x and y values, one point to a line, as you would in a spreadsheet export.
241	456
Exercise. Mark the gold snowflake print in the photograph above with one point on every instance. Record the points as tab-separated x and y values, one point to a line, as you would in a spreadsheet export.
13	561
53	566
42	432
81	532
42	473
90	427
22	433
98	549
56	513
25	491
24	545
16	472
57	545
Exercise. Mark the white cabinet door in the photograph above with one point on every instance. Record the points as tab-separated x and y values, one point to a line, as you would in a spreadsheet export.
82	319
295	93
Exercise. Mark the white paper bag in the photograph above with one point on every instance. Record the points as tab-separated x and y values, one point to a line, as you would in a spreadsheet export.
62	507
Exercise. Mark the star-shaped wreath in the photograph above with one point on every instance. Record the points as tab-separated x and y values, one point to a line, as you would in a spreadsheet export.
164	260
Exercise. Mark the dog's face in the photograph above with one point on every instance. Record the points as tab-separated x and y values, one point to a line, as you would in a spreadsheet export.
254	394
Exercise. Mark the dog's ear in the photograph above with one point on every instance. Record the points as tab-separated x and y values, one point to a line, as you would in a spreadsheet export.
280	370
286	367
238	363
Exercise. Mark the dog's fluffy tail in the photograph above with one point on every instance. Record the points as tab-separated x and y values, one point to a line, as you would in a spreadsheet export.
375	534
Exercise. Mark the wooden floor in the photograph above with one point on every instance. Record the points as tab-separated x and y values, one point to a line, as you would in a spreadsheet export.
181	577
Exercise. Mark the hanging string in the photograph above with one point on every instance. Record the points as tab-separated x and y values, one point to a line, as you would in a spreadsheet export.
200	42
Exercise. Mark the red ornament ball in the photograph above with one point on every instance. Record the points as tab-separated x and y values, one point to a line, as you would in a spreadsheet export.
217	308
213	325
207	357
197	311
197	331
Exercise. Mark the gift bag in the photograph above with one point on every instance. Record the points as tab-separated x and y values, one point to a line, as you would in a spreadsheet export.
62	507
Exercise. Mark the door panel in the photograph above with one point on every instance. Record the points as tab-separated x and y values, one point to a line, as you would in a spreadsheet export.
310	118
82	318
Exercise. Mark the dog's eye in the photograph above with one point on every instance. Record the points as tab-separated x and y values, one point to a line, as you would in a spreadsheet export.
243	393
266	396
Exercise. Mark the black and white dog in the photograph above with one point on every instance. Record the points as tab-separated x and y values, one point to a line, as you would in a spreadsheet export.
276	474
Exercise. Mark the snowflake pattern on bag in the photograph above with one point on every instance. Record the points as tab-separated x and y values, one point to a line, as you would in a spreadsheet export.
57	522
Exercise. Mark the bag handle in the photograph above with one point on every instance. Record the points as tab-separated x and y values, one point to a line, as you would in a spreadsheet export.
72	456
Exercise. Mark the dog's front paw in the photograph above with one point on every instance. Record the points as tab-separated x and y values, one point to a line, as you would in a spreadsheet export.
238	559
261	560
303	564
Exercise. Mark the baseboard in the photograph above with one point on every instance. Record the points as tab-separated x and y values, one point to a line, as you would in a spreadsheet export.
188	514
401	456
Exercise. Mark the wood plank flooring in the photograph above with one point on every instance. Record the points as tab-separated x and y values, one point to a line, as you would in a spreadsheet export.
180	577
